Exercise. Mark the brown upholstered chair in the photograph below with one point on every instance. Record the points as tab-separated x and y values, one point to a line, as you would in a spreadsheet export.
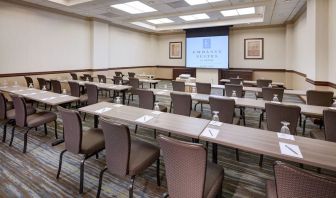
131	74
202	88
187	171
75	91
236	81
7	114
117	80
126	156
178	86
329	132
262	83
318	98
42	82
88	77
135	83
294	182
276	113
56	86
29	80
101	78
25	120
119	74
268	95
74	76
229	88
87	143
182	105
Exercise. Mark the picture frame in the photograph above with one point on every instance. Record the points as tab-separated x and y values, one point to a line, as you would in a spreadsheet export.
254	48
175	50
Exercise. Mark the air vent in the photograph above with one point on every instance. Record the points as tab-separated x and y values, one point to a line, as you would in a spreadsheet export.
178	4
110	15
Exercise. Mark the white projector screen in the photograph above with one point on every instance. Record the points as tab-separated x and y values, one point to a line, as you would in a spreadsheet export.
207	52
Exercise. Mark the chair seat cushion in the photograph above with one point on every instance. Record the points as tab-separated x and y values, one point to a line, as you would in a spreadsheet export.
142	155
195	114
11	113
92	141
317	134
236	121
271	189
163	108
213	180
40	118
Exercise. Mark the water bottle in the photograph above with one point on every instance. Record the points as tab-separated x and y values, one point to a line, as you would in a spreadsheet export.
270	85
87	79
284	128
193	89
215	116
156	106
120	82
64	92
101	81
275	98
31	85
44	88
237	76
234	94
118	100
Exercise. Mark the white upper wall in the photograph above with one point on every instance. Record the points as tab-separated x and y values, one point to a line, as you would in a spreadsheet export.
32	40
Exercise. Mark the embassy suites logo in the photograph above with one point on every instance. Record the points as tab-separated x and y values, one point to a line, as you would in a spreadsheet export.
206	43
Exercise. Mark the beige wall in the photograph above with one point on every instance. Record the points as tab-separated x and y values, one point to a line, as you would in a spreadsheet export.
162	51
332	42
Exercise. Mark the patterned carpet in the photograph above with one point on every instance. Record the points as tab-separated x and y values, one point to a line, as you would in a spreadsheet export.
34	174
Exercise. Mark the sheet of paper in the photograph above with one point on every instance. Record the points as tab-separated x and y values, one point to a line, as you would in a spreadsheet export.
290	150
210	132
144	118
50	98
160	92
285	136
156	112
102	110
215	123
118	105
28	94
62	96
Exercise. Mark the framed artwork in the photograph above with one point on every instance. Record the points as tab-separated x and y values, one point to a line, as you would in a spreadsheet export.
175	50
254	48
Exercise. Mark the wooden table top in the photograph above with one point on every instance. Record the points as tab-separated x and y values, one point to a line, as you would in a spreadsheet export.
46	97
176	124
315	152
253	82
247	102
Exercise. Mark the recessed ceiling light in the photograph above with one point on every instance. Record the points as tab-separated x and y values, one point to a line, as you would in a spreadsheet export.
228	13
194	17
134	7
160	21
145	25
243	11
198	2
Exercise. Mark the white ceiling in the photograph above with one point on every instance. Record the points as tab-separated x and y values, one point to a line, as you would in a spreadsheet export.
268	12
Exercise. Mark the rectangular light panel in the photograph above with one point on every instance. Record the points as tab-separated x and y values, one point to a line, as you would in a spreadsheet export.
134	7
160	21
195	17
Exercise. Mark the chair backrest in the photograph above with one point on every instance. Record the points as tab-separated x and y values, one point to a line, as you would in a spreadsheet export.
74	76
263	82
229	88
20	110
29	80
56	86
134	82
117	146
3	106
88	76
276	113
74	88
329	118
224	106
92	93
178	86
182	103
185	165
269	92
117	73
42	82
236	81
203	88
102	78
146	99
131	74
72	127
294	182
117	79
320	98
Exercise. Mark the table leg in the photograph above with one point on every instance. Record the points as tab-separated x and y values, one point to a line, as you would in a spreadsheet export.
95	122
150	85
214	153
124	96
154	85
194	140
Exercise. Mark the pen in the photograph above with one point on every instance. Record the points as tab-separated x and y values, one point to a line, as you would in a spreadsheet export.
291	149
210	132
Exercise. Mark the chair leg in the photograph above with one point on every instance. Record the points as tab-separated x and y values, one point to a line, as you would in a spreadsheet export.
56	129
201	107
196	106
260	118
170	108
129	97
154	133
304	126
12	138
100	181
300	122
97	155
45	129
4	132
136	128
237	155
84	116
25	141
81	179
60	164
158	181
261	160
130	188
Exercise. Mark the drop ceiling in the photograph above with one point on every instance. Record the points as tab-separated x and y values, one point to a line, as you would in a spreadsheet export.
267	12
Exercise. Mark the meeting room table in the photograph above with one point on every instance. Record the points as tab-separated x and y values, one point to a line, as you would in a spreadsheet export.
253	82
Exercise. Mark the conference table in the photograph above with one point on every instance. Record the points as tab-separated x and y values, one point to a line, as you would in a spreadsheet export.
46	97
313	152
308	110
152	82
253	82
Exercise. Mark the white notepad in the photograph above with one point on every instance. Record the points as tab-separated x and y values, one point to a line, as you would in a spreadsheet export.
215	123
102	110
144	118
118	105
210	133
156	112
285	136
290	150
